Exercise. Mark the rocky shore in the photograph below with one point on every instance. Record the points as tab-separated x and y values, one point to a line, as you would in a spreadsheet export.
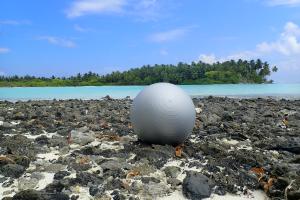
75	149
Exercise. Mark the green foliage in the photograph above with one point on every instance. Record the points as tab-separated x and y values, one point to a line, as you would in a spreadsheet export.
240	71
274	69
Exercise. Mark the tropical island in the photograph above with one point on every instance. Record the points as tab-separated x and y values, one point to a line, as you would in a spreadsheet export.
228	72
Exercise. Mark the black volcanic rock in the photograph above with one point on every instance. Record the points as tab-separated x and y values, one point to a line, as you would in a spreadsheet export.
196	186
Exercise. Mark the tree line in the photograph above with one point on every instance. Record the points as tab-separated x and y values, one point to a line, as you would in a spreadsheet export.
241	71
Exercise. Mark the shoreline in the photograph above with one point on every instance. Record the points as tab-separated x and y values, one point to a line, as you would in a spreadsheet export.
88	149
272	97
276	91
141	85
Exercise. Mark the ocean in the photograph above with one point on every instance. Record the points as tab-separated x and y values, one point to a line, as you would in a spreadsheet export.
290	91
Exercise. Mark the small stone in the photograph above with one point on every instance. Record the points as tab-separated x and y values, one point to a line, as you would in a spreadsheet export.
172	171
174	181
8	183
55	187
114	184
8	192
220	190
22	160
157	156
213	118
296	159
82	138
136	187
19	116
155	190
144	169
12	170
42	140
7	198
3	150
80	166
148	179
74	197
2	179
57	141
64	150
293	195
27	183
102	197
28	195
61	174
6	125
54	167
93	190
118	196
85	178
55	196
37	175
83	129
133	198
196	186
19	145
198	110
227	116
111	165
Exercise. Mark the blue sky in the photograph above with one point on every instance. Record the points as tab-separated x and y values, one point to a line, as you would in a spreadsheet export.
64	37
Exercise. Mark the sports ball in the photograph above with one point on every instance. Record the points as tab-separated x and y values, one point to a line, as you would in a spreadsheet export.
162	113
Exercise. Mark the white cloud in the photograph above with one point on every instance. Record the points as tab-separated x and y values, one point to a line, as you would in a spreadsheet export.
169	35
141	10
283	2
209	59
85	7
212	58
4	50
246	55
287	44
15	22
291	29
146	9
80	28
2	73
58	41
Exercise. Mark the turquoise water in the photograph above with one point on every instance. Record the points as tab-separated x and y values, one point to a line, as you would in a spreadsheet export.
239	90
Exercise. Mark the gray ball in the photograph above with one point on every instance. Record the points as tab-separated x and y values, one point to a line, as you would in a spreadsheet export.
162	113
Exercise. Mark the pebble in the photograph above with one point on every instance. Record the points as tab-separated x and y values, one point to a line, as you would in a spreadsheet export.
196	186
